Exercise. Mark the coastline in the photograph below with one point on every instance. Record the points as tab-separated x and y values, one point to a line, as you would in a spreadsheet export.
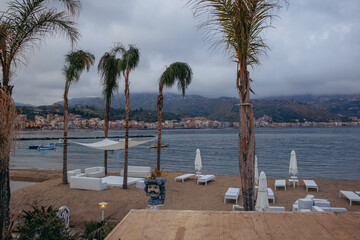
180	196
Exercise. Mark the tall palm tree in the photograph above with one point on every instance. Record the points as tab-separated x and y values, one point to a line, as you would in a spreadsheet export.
129	61
75	64
109	68
240	24
176	71
24	25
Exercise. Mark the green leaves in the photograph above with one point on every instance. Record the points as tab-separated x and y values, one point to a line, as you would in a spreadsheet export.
177	71
76	63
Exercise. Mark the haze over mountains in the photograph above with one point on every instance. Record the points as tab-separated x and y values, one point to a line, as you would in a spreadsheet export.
308	107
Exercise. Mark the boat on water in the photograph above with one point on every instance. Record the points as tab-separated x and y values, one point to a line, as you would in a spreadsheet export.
34	147
162	145
47	147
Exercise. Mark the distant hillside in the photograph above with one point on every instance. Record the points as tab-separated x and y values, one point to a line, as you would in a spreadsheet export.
281	109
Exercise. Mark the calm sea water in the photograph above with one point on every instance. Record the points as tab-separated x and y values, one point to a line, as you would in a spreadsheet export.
331	153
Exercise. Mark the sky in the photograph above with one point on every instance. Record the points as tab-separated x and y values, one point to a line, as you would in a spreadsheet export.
315	49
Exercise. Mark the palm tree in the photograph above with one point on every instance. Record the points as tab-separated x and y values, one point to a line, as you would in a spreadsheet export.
22	27
129	61
176	71
75	63
240	24
109	68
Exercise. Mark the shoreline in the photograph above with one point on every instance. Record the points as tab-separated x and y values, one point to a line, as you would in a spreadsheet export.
83	204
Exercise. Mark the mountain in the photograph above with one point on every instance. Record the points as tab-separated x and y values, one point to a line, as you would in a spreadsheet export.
280	109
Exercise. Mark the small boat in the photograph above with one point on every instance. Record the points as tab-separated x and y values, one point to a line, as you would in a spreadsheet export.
34	147
47	147
155	145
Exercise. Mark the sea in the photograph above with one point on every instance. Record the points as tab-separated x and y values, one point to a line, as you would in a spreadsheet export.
327	153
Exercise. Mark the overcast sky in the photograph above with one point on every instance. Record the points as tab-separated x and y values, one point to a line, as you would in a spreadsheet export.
315	49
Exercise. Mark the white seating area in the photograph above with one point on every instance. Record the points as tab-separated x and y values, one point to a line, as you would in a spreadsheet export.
310	184
280	183
232	193
184	177
310	203
137	171
94	179
205	178
350	195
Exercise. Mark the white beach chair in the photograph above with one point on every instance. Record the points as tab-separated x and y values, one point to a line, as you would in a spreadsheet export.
351	196
232	193
280	183
271	195
276	209
310	184
184	177
205	178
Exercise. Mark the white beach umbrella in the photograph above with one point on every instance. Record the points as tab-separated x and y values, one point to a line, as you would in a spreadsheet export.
256	172
293	169
262	201
198	164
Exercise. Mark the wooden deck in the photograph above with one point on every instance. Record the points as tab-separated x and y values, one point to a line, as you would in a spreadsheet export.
191	225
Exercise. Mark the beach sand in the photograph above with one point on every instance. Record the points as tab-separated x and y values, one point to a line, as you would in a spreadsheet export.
83	204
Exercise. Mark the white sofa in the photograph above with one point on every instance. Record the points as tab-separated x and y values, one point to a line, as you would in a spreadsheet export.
96	172
73	173
137	171
87	183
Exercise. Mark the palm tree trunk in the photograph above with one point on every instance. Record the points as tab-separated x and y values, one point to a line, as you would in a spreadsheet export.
106	130
5	146
66	120
246	146
160	102
127	105
5	193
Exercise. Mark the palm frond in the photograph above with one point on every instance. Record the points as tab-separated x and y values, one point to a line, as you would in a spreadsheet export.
177	71
75	63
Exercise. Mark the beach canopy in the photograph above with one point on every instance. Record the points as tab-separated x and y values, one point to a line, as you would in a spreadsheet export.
198	164
293	169
256	172
262	201
107	144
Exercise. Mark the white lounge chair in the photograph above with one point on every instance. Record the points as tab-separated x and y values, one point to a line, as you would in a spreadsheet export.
310	184
276	209
271	195
351	196
205	178
280	183
184	177
232	193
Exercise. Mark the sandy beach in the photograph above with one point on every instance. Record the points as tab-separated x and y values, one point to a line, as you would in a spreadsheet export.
83	204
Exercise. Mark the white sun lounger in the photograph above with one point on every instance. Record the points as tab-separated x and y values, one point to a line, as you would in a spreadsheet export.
232	193
351	196
271	195
280	183
310	184
276	209
205	178
184	177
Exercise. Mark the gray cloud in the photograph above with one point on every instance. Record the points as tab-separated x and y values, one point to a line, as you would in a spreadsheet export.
315	49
